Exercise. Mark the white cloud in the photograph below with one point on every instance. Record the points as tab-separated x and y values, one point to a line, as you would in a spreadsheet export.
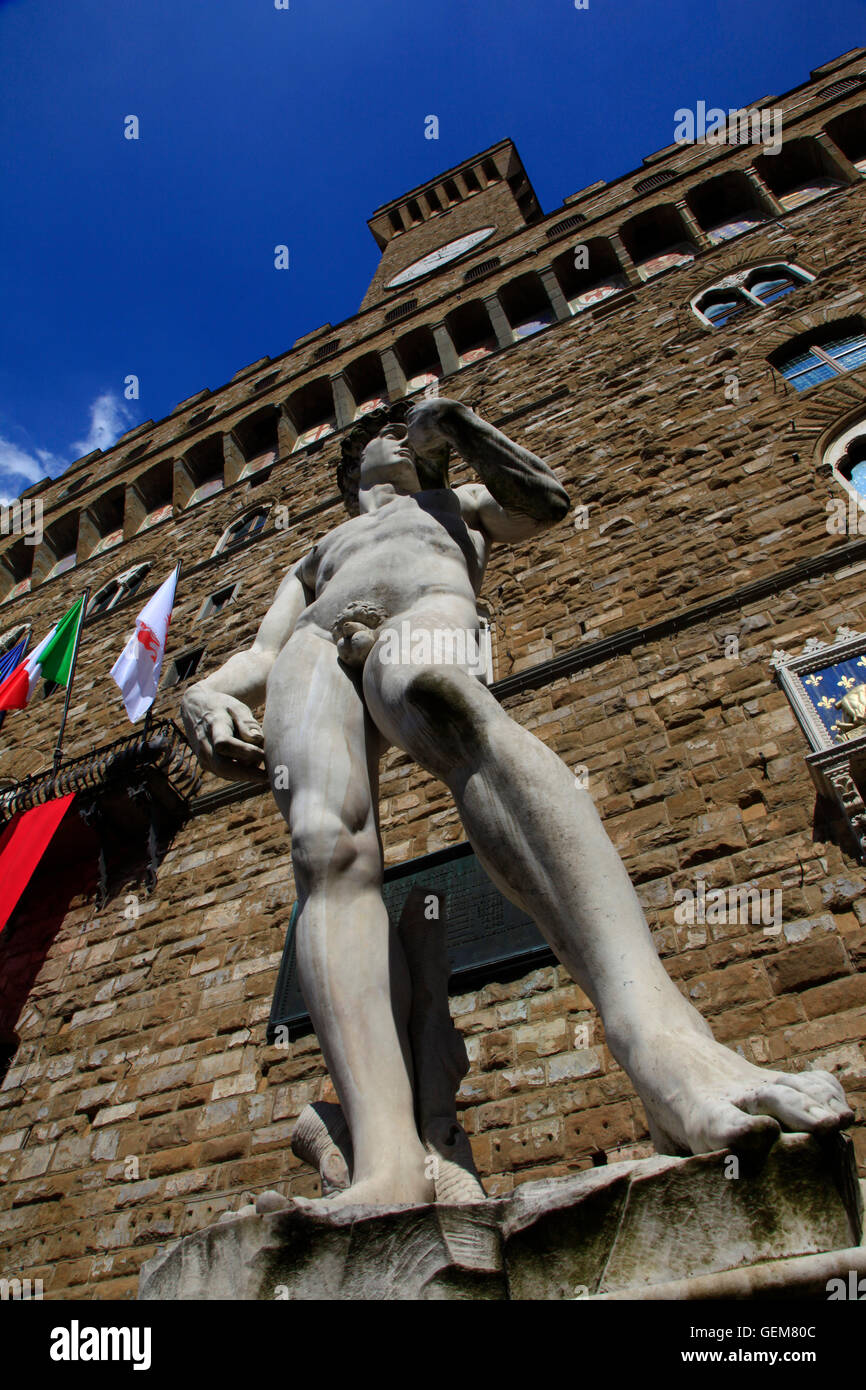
109	417
21	467
19	462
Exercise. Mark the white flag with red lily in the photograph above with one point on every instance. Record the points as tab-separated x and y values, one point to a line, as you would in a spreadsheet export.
137	670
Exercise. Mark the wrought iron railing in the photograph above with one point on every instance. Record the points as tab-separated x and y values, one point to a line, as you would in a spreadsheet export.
161	745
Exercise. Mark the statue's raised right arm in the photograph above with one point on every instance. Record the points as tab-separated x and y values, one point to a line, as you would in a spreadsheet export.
524	488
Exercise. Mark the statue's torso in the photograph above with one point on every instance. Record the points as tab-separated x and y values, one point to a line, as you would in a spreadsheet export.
395	557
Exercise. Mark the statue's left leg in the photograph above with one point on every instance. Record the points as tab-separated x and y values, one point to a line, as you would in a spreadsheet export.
541	840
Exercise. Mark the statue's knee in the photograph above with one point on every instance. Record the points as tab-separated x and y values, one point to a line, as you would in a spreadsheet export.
324	849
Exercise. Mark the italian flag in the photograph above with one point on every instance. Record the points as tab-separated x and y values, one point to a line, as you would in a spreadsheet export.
50	661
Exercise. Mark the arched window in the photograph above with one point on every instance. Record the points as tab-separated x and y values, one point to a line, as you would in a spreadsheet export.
827	352
312	412
853	466
849	133
120	587
748	289
588	273
720	306
59	549
419	361
772	283
203	466
242	529
802	171
846	459
657	240
104	598
527	305
472	332
726	206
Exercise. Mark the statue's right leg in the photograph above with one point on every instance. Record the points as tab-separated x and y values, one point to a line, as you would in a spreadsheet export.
320	740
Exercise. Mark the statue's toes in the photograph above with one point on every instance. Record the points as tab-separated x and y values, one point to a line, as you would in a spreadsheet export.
271	1201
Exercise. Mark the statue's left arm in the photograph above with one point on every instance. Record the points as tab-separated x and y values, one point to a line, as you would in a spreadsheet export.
520	495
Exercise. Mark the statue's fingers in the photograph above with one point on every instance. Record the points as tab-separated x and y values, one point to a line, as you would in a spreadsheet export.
218	727
249	730
233	771
230	747
209	760
201	744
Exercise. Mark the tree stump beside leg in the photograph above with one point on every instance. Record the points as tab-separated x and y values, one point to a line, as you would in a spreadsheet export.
321	1138
438	1050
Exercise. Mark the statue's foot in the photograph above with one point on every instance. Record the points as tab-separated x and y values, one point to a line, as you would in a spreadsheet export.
382	1190
271	1201
701	1097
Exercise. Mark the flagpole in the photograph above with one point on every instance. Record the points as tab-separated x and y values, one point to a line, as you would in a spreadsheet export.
58	751
148	717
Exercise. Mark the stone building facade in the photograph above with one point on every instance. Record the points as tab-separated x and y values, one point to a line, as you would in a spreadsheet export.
686	346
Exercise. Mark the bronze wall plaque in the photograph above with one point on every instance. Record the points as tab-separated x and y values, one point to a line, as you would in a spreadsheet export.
486	935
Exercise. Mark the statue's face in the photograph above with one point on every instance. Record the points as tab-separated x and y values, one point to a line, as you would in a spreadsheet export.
388	459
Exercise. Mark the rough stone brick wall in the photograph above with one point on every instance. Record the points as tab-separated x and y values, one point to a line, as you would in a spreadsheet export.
144	1100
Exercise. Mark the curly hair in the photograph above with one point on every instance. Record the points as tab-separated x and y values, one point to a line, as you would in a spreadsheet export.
355	442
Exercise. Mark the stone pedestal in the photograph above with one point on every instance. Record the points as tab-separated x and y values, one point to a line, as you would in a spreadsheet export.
661	1227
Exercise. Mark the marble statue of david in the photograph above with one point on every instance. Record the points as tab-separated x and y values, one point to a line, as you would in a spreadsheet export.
414	552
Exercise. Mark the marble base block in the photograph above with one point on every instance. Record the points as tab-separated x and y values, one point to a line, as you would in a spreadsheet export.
653	1228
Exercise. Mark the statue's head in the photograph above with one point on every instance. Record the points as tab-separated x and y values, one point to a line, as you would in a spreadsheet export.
378	447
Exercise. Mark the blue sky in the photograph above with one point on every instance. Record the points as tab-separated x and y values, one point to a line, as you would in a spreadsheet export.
261	127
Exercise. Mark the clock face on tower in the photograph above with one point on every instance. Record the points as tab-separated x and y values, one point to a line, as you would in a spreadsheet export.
439	257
